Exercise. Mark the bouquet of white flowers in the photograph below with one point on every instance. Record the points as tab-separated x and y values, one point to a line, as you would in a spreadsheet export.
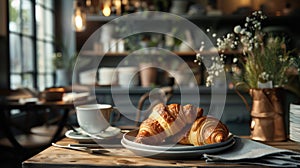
264	58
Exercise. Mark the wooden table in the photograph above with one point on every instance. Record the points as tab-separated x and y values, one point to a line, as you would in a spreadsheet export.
54	157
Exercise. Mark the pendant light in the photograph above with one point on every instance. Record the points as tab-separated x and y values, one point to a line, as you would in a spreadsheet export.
79	17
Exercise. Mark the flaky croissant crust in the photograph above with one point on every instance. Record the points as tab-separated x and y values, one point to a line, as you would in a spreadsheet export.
206	130
166	121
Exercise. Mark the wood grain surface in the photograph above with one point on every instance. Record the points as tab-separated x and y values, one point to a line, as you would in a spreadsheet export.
117	156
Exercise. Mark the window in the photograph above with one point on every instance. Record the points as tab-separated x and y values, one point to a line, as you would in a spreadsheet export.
31	38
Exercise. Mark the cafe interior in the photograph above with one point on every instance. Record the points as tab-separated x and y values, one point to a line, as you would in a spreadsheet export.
57	55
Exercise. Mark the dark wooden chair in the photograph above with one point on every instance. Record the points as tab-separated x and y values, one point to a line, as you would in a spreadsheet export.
160	95
163	95
17	140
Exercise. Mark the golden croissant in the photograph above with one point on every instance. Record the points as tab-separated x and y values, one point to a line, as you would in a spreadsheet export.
205	130
165	121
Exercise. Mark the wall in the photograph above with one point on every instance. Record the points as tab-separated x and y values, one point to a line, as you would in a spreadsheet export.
65	34
64	27
3	12
4	77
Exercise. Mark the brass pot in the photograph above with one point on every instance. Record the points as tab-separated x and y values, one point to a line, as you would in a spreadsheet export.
267	122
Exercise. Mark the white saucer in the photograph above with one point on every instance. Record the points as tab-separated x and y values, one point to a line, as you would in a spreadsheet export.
108	132
79	137
84	137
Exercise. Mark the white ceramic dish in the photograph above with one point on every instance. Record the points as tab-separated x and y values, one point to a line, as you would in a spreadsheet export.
78	137
175	154
129	137
83	137
296	112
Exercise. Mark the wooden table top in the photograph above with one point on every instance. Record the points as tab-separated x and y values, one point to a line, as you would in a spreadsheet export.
118	156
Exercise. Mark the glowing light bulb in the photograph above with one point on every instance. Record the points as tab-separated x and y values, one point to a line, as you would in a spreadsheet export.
106	10
79	20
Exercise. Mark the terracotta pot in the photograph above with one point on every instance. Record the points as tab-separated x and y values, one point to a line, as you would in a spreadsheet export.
148	75
267	115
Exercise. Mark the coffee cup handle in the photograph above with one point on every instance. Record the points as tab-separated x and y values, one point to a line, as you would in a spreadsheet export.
115	115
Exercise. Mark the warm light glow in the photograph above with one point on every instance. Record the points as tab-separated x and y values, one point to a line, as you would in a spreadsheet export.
106	10
245	2
79	20
88	2
118	6
125	2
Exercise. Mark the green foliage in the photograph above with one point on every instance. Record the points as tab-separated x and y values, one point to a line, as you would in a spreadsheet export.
58	61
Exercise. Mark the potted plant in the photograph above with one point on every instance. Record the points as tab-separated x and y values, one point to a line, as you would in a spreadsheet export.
60	70
262	71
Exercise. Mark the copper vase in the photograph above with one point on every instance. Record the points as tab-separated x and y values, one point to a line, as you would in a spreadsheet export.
267	115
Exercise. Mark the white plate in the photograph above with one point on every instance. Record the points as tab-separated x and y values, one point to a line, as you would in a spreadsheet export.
83	137
295	119
177	154
296	112
129	138
294	138
294	106
296	126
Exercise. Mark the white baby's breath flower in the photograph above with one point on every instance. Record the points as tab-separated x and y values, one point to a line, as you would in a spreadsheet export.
237	29
250	48
249	34
235	60
201	48
244	40
247	19
243	31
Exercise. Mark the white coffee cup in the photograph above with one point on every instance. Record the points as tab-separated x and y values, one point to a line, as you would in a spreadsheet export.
94	118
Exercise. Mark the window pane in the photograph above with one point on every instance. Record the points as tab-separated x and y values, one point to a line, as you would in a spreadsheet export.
45	81
28	80
16	81
49	56
27	17
49	80
15	53
14	16
40	1
49	26
41	82
40	22
49	4
28	61
41	57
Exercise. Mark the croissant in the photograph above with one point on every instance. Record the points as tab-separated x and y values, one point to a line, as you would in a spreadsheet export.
205	130
165	121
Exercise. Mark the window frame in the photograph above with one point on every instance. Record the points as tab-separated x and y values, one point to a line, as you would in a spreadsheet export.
35	74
